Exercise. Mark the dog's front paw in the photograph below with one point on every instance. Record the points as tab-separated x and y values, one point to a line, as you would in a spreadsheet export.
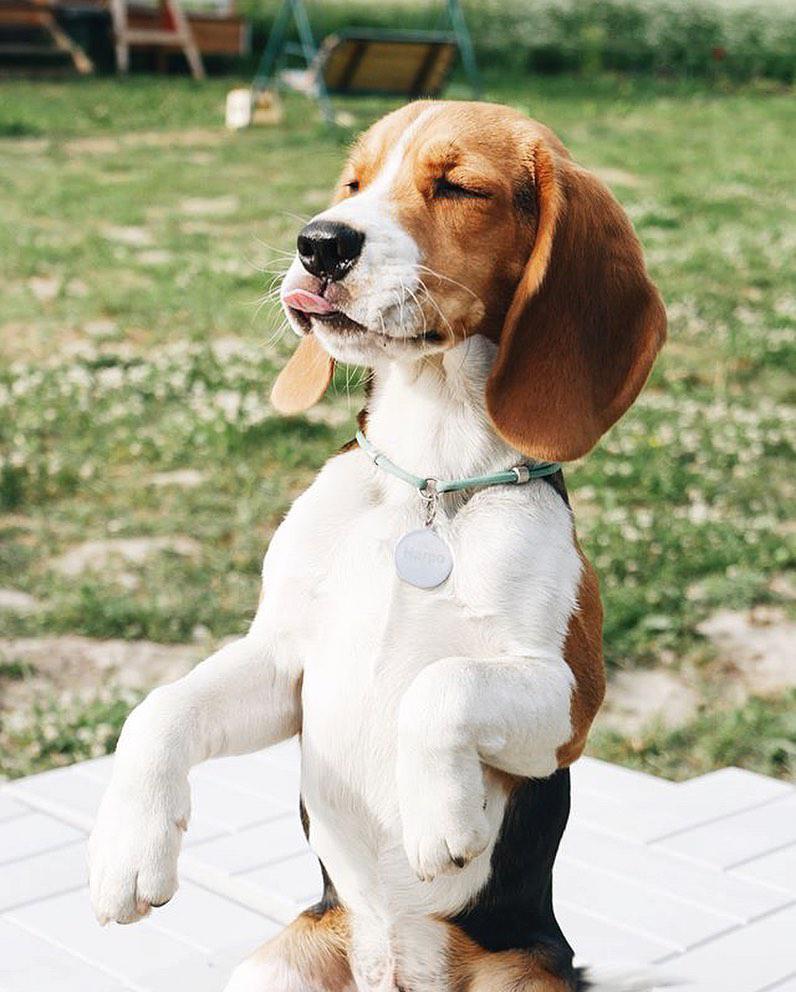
438	848
443	811
133	852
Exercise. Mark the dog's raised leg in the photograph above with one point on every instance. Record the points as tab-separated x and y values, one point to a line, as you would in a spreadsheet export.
311	955
511	713
241	699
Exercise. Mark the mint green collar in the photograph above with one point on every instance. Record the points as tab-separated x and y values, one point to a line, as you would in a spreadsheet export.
516	475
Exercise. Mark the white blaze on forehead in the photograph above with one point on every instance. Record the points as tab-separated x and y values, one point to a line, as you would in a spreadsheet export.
392	166
360	206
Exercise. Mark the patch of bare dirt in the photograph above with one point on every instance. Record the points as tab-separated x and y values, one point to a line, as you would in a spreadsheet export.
756	648
756	656
783	585
643	696
73	663
134	237
155	256
17	520
185	478
16	601
25	146
103	554
217	206
197	227
111	144
19	340
102	327
45	288
77	288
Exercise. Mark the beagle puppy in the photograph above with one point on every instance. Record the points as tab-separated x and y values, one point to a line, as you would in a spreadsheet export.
498	294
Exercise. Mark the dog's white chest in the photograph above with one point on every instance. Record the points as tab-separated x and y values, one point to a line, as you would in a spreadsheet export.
363	635
375	634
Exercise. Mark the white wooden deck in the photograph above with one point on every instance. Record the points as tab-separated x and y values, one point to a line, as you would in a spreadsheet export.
699	877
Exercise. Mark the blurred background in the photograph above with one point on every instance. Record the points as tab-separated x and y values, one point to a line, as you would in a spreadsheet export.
141	242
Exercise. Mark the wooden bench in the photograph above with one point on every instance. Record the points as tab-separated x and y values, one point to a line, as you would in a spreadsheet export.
362	62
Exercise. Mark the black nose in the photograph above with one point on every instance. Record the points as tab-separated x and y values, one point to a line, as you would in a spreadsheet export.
328	248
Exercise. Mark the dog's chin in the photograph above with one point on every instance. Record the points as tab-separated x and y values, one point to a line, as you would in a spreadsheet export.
353	343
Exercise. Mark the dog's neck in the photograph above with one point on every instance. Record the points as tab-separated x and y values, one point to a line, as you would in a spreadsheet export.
430	416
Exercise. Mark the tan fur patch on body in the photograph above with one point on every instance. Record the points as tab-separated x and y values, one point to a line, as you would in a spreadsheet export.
583	652
474	969
315	948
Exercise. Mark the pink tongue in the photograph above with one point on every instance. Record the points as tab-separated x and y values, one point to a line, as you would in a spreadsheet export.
302	299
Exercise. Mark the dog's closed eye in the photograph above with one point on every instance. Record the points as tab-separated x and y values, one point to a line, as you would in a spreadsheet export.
445	189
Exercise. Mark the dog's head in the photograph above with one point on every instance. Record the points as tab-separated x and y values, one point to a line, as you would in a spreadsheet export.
452	219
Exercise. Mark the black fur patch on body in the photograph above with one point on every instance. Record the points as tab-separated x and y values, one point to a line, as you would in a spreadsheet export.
514	910
329	899
556	480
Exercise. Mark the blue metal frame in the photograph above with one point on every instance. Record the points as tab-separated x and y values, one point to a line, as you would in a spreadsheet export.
266	70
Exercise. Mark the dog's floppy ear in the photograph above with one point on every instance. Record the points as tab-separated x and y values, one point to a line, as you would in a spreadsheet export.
585	323
303	381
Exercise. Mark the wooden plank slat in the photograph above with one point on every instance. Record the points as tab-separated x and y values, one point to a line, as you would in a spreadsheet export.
152	36
370	64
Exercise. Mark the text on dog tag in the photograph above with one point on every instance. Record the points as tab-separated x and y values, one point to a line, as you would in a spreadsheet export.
423	559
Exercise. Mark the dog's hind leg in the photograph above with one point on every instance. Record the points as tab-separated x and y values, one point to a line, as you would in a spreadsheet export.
311	955
474	969
510	971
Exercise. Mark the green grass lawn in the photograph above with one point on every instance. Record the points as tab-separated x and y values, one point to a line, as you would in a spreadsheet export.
138	243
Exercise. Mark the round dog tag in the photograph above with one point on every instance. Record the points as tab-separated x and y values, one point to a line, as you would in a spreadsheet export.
423	559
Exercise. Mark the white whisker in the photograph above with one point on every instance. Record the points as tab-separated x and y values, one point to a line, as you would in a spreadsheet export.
298	217
455	282
273	248
417	305
437	307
